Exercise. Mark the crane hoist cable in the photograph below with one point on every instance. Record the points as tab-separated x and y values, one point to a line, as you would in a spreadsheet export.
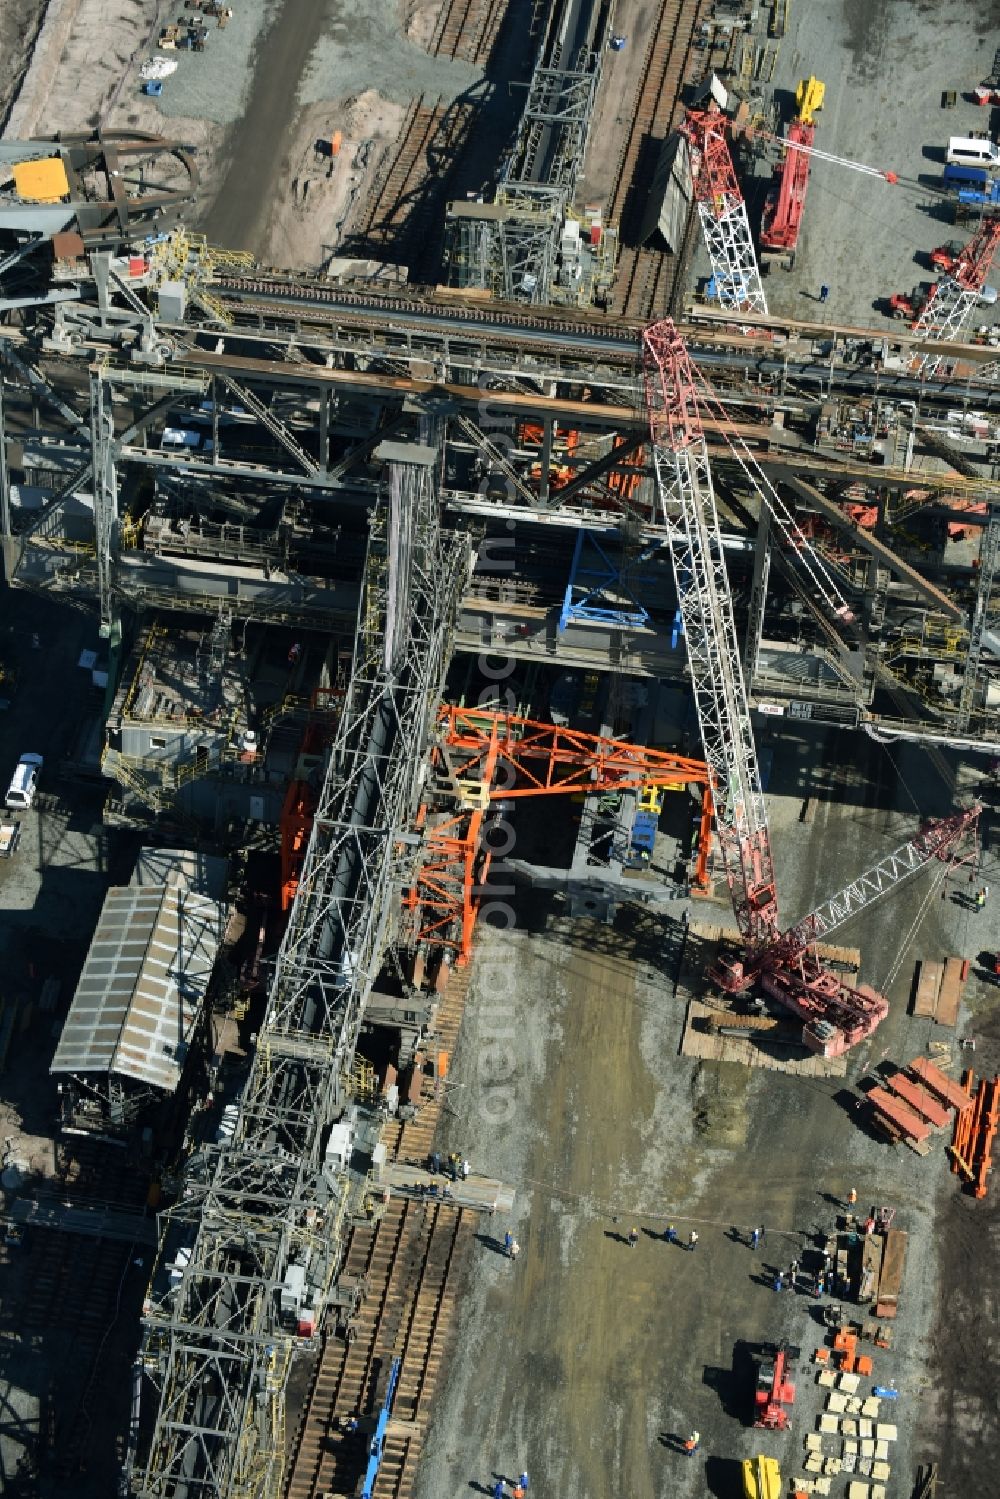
893	179
800	546
939	876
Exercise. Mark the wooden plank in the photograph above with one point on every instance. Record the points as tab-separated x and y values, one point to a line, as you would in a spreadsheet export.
871	1266
897	1112
929	976
940	1083
893	1265
950	996
920	1099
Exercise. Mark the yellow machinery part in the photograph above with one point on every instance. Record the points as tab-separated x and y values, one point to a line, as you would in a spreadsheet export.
761	1478
43	181
809	98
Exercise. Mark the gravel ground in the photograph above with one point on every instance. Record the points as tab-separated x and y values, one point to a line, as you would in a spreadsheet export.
248	103
20	21
586	1360
885	66
215	84
361	46
364	47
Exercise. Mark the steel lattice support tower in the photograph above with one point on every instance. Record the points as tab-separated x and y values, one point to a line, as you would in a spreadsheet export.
689	513
949	307
214	1347
102	442
723	214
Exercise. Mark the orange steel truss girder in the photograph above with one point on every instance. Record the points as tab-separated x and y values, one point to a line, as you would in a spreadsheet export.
511	756
540	759
446	890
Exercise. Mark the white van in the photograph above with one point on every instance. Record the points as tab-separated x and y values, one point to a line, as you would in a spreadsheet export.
970	151
24	782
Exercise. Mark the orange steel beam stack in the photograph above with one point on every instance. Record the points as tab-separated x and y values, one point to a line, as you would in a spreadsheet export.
983	1151
962	1132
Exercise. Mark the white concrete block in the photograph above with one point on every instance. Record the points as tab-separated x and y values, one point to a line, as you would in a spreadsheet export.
849	1383
886	1431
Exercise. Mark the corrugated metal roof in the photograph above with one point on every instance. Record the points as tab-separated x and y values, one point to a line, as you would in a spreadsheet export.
203	873
142	986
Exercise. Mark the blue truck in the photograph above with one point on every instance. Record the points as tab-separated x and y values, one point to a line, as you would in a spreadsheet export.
643	839
645	826
955	173
988	195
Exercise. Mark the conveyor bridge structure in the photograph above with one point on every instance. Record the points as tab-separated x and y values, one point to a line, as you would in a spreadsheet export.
215	1351
528	245
542	440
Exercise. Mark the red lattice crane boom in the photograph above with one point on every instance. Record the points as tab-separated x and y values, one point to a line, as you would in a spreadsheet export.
542	758
786	200
835	1015
723	213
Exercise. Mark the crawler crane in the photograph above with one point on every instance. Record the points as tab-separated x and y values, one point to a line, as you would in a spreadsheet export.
951	302
836	1016
786	198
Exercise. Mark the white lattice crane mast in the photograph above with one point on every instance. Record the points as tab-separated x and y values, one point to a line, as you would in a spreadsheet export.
935	840
950	304
723	214
684	481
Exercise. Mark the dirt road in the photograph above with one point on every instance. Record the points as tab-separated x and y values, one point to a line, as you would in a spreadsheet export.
256	148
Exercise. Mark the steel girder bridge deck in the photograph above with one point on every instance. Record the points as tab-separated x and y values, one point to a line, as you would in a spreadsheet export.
543	441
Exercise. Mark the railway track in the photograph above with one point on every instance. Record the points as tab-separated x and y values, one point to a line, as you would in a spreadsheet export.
468	29
406	207
71	1287
261	288
407	1261
645	276
393	203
